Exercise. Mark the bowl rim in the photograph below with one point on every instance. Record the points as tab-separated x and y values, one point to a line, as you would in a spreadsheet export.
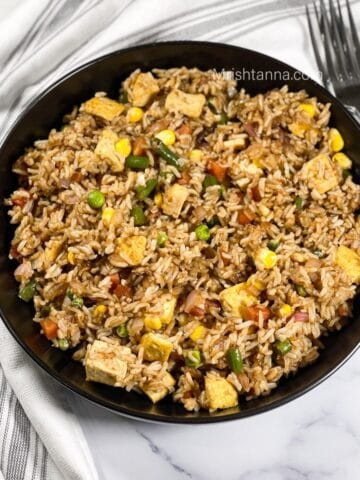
191	418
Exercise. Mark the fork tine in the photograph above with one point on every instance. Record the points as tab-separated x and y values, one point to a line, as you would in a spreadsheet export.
320	63
338	45
353	29
351	56
330	60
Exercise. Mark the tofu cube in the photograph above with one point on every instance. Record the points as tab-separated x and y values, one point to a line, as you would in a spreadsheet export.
189	104
236	297
105	148
143	89
156	348
105	363
103	107
52	250
349	261
220	393
174	199
319	174
157	391
130	251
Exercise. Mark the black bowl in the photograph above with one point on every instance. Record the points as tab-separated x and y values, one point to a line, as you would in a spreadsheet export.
106	73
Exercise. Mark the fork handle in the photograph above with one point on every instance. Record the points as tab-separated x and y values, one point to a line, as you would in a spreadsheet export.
355	112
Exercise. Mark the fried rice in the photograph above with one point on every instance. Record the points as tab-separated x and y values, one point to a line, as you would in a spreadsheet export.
189	238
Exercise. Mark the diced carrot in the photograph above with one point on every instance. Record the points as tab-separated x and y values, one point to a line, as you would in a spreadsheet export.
122	291
20	201
255	193
77	177
253	313
343	310
139	146
217	170
14	253
50	328
115	280
245	217
184	130
185	178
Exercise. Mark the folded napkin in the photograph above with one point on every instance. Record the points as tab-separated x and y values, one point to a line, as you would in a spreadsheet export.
40	436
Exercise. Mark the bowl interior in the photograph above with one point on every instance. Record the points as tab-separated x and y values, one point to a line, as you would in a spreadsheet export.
106	74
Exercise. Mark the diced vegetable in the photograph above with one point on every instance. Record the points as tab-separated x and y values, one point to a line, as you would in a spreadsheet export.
139	147
336	140
223	119
253	312
245	217
137	162
63	344
299	202
235	360
168	155
301	317
138	215
186	103
198	333
285	310
122	331
45	310
99	311
213	221
28	291
300	290
96	199
152	323
265	259
77	302
103	107
196	155
202	232
235	297
210	181
195	304
166	136
164	312
273	244
158	199
319	253
193	359
107	215
255	194
123	97
161	239
220	393
283	347
71	258
217	170
123	147
50	328
174	199
308	108
135	114
122	291
144	191
342	160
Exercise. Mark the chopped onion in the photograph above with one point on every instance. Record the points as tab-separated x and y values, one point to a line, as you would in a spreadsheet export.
301	317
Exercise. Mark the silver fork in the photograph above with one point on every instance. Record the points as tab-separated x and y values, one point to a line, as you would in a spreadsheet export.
339	60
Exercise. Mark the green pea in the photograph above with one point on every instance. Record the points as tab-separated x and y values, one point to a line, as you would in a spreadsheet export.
122	331
210	181
28	291
202	232
161	239
273	244
137	162
77	302
63	344
168	155
193	359
144	191
300	290
235	361
138	215
299	202
283	347
96	199
223	120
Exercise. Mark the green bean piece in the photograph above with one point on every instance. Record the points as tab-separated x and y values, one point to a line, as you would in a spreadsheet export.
223	120
137	162
193	359
161	239
144	191
63	344
122	331
77	302
210	181
283	347
299	202
273	245
138	215
300	290
168	155
44	311
235	360
211	106
28	291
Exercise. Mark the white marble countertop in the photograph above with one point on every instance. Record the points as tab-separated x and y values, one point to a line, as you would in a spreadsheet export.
315	437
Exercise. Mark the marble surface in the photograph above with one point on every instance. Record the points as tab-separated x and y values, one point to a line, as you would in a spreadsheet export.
315	437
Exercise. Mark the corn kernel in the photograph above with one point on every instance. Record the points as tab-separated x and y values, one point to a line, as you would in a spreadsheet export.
285	310
198	333
255	282
71	258
135	114
152	322
107	215
298	128
123	146
265	258
342	160
100	311
308	108
336	140
158	199
166	136
196	155
258	163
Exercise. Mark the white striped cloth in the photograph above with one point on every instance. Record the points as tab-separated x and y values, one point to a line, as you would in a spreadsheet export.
40	437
